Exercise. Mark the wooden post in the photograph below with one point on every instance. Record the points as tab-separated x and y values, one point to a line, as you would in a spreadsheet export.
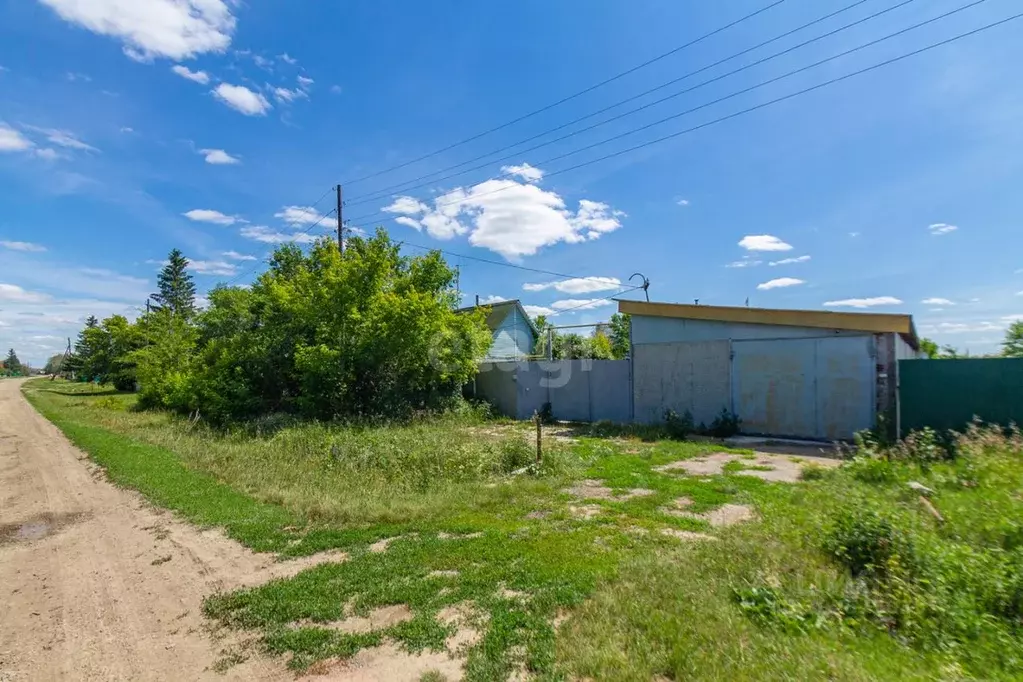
539	437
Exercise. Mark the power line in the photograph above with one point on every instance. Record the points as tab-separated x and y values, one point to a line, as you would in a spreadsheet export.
570	97
490	261
261	261
410	184
743	112
589	303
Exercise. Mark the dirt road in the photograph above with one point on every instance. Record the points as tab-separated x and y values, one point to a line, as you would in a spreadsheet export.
97	585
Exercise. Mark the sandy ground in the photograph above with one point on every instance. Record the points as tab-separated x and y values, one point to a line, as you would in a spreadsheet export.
96	584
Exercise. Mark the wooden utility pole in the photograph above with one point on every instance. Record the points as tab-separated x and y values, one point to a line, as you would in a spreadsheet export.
340	222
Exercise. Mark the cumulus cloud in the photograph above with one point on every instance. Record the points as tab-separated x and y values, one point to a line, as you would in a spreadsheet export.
581	304
262	233
241	99
305	82
537	310
511	218
491	300
937	301
234	255
779	283
175	29
212	267
409	222
300	215
789	261
218	157
863	302
287	59
200	77
938	229
12	293
205	215
682	202
23	246
763	242
577	285
525	171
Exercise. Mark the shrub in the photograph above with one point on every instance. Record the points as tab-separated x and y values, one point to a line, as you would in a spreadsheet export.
678	427
867	542
725	425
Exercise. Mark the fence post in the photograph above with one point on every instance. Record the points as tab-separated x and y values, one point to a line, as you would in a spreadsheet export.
539	437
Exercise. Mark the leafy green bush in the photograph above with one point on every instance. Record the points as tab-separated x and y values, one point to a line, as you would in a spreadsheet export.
678	427
725	425
866	542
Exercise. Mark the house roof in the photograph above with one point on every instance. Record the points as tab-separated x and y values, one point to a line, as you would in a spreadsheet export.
823	319
500	310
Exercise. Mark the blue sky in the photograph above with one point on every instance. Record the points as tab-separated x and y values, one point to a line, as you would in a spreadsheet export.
130	127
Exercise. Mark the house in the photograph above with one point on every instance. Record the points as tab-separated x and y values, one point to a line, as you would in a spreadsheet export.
514	333
785	373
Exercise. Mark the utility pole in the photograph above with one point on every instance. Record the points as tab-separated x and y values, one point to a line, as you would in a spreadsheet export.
340	222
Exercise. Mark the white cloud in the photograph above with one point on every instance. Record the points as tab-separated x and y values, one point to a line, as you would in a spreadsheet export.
525	171
854	235
537	310
204	215
240	98
234	255
937	301
218	157
578	285
406	206
304	82
409	222
262	233
12	293
212	267
73	77
581	304
863	302
744	263
938	229
263	62
62	138
789	261
12	140
682	202
779	283
963	327
490	300
287	59
763	242
508	217
200	77
300	215
23	246
48	154
285	95
176	29
126	129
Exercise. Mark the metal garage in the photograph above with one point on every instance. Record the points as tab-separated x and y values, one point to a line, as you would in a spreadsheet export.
785	373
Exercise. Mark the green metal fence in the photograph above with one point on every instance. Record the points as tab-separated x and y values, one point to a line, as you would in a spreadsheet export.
948	394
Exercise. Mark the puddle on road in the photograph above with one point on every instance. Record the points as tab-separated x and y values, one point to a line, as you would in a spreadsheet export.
37	527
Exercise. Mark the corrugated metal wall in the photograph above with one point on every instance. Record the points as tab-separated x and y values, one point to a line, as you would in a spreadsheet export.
804	388
692	377
948	394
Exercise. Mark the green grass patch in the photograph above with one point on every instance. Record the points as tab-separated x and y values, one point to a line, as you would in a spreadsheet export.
845	576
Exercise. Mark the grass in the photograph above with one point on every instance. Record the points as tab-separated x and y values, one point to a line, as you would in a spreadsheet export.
755	605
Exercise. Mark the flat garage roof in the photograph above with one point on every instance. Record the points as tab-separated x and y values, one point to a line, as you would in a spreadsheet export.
878	323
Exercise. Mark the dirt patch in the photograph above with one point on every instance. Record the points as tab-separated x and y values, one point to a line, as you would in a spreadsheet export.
725	515
596	490
38	527
687	535
538	515
585	511
505	593
390	663
467	536
467	622
442	574
381	546
377	619
770	467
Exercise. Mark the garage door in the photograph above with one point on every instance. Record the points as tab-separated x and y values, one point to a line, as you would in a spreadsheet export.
804	388
692	376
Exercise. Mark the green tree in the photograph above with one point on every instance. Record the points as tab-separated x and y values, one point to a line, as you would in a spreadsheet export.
601	347
620	335
12	365
54	364
122	340
176	289
929	348
1012	347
